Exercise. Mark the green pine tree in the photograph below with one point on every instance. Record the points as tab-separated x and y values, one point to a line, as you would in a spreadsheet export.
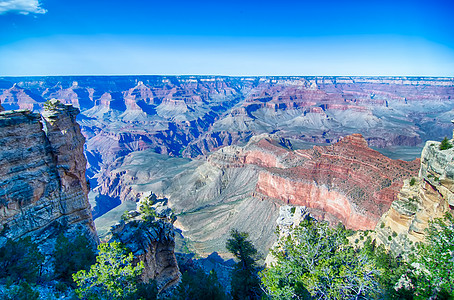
245	281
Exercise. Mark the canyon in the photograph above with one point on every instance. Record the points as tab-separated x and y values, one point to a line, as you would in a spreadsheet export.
243	187
44	193
229	151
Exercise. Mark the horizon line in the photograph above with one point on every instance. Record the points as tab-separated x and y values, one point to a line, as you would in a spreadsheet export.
233	76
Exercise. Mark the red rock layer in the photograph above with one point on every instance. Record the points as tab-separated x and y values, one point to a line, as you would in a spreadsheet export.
348	181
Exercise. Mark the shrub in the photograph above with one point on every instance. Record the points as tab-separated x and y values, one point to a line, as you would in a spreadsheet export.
317	262
112	277
434	275
445	144
147	210
20	260
72	256
392	268
198	285
61	287
412	181
22	291
125	215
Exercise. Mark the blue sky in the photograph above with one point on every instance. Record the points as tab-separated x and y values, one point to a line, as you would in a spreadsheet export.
98	37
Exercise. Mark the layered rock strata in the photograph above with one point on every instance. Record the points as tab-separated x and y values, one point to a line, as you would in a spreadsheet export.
243	187
152	241
420	200
43	189
192	116
347	181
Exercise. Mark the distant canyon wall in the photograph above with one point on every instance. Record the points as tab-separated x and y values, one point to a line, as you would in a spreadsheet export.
194	115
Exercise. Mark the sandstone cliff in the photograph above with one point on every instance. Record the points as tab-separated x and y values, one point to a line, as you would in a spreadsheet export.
420	200
150	235
43	190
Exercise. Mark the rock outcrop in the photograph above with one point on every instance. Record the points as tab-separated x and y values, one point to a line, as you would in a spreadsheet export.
289	218
420	200
43	190
150	235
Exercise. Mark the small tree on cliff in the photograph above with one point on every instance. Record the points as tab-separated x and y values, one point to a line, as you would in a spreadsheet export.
112	277
316	261
245	281
445	144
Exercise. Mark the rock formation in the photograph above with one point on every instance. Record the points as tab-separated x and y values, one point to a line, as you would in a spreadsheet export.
420	200
347	181
151	238
243	187
43	190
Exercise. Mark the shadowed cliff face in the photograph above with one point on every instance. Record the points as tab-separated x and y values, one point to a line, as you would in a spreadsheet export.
43	190
243	187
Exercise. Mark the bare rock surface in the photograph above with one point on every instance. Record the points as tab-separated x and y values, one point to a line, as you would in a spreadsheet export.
429	196
43	190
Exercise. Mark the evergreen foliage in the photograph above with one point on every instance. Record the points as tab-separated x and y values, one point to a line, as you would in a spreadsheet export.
434	262
22	291
245	281
391	267
198	285
147	210
20	260
145	291
112	277
72	256
445	144
316	261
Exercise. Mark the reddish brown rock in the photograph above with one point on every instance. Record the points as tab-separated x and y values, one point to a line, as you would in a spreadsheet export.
346	181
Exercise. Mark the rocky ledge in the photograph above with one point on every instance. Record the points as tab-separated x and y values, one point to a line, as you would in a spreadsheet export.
149	233
421	199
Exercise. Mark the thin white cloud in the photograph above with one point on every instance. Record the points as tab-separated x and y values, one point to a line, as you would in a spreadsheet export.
23	7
